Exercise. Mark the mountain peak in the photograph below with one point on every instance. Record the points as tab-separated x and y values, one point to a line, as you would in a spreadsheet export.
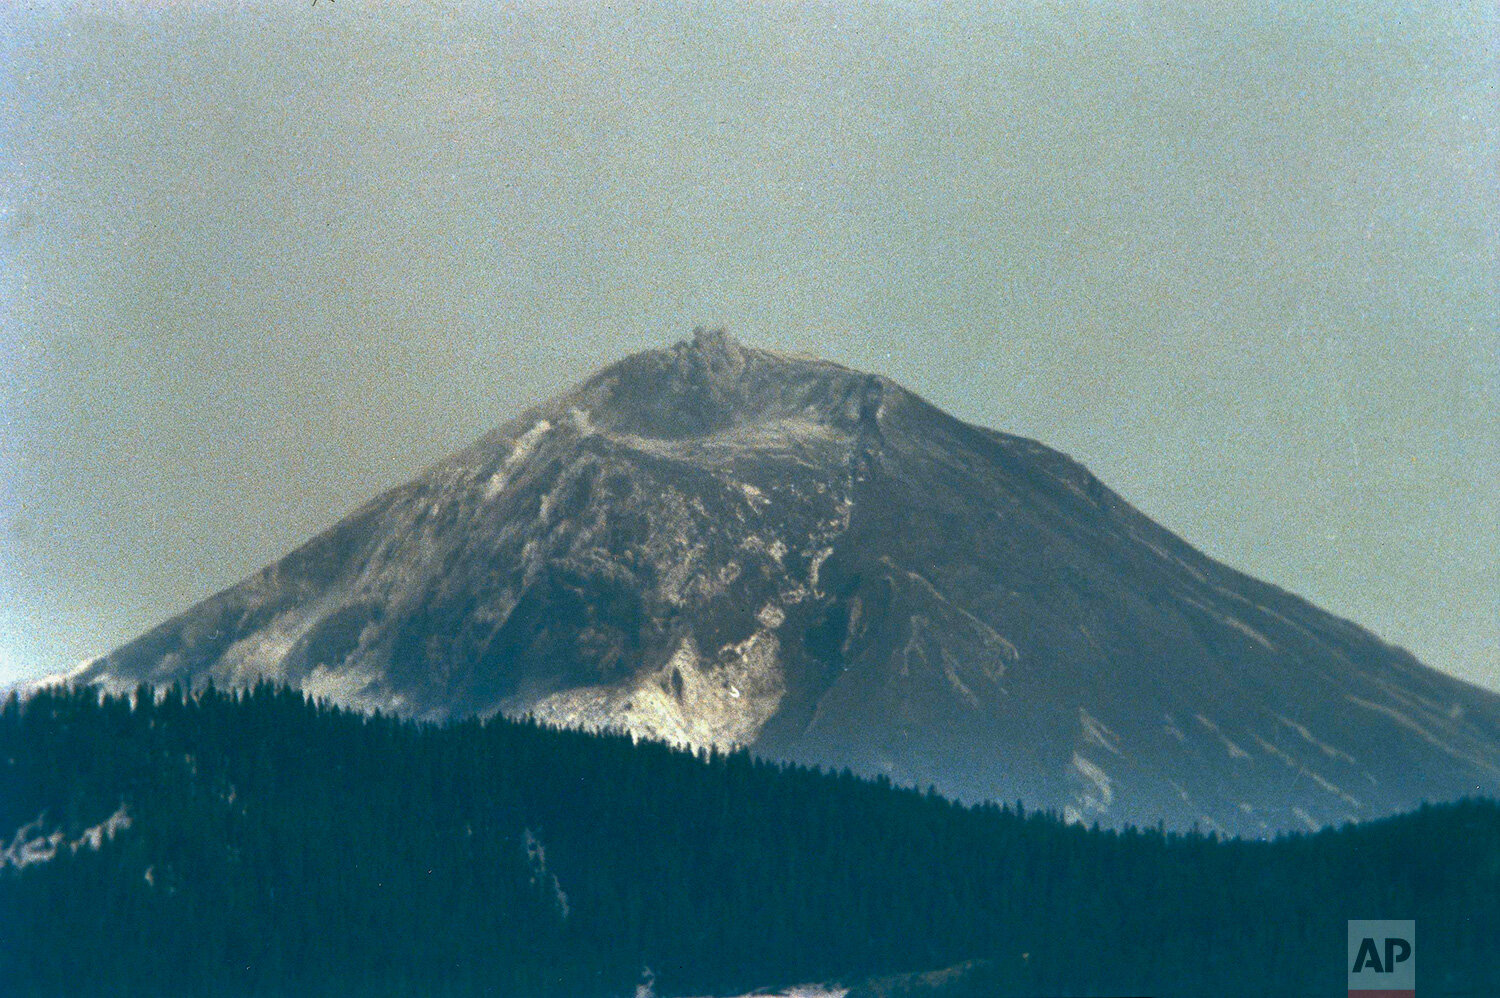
720	545
712	347
712	383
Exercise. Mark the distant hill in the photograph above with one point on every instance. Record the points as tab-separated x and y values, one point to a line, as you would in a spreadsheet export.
723	546
257	844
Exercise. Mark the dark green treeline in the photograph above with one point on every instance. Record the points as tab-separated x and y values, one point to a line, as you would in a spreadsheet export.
279	847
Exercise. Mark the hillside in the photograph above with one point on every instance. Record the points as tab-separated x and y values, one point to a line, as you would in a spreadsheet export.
256	843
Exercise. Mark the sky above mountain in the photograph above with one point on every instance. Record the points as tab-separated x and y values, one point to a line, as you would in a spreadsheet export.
260	261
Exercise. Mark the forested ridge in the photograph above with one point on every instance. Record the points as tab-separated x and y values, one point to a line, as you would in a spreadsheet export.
278	846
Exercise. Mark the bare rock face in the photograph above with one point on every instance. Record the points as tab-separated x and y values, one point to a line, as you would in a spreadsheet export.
724	546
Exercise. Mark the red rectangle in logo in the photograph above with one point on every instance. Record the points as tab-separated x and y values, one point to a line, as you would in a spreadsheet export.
1408	993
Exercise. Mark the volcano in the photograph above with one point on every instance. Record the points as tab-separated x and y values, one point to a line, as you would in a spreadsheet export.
723	546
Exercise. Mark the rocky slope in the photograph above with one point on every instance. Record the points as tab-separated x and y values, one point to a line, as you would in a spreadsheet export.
725	546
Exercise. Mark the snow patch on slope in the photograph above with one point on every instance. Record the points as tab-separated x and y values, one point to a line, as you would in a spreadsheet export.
29	845
355	687
543	879
1235	752
1307	736
1095	732
1098	791
689	701
582	425
1312	824
1169	725
648	990
1405	721
260	654
518	455
802	991
1302	770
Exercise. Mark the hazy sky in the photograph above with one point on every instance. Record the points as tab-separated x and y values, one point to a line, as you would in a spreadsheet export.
260	261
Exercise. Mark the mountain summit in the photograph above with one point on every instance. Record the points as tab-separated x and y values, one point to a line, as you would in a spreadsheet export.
720	545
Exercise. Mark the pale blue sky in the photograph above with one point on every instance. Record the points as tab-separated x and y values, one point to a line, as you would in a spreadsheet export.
261	261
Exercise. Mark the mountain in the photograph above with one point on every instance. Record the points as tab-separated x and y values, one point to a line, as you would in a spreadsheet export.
718	545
